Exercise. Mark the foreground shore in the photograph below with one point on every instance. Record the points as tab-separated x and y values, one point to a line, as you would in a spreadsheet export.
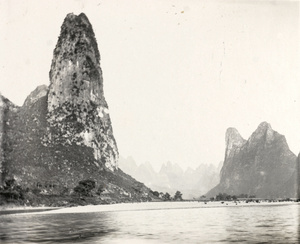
24	209
138	207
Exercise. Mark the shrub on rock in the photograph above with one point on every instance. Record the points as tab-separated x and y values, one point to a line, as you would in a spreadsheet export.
85	187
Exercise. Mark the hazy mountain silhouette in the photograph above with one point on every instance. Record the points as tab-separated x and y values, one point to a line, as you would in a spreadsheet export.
171	177
262	166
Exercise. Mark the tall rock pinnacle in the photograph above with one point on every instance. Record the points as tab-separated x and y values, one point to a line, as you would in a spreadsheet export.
75	74
62	137
77	110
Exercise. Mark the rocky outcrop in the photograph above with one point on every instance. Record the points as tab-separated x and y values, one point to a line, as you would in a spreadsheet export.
8	111
234	141
77	110
262	166
63	134
39	92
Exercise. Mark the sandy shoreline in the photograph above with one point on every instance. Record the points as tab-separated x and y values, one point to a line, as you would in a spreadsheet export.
24	209
135	207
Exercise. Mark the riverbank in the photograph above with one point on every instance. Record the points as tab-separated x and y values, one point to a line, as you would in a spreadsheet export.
156	222
10	209
141	207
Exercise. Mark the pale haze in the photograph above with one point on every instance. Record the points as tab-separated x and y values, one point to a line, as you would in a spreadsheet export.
176	74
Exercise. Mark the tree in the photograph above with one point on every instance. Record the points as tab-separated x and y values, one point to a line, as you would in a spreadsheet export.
178	196
167	197
11	190
227	197
223	196
85	187
155	193
243	196
101	189
220	197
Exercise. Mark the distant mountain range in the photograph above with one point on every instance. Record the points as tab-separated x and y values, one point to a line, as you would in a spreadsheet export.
262	166
171	177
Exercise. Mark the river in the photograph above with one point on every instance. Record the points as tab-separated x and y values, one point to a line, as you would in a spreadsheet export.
156	223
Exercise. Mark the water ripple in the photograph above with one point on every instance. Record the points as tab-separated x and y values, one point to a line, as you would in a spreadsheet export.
275	224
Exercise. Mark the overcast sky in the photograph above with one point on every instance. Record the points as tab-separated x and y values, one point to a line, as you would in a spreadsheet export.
176	73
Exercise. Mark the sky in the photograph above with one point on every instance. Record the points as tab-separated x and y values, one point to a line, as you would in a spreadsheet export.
177	73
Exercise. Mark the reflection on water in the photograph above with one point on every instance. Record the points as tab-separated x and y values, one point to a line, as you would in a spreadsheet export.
256	224
56	228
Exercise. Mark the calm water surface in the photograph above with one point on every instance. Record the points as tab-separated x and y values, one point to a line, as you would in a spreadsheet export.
251	224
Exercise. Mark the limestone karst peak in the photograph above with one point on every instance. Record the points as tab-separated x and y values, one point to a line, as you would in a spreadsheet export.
263	132
75	75
76	102
74	17
39	92
73	23
233	138
5	102
62	135
262	166
76	42
264	126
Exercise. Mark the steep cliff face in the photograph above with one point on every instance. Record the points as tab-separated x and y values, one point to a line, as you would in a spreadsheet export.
297	175
234	141
77	110
8	111
262	166
63	134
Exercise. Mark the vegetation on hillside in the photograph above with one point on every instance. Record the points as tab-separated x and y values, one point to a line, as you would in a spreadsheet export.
112	187
167	197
